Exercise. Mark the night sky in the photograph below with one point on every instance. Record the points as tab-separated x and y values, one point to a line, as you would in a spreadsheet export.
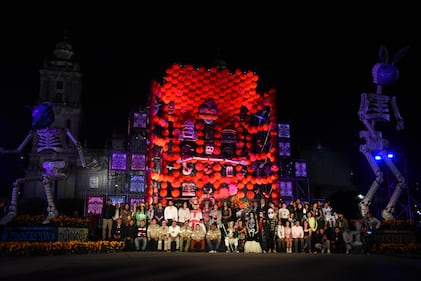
319	66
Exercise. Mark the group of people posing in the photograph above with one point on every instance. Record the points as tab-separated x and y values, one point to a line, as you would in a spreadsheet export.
255	227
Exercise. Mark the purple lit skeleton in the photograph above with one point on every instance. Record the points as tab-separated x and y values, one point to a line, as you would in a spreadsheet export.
374	109
49	144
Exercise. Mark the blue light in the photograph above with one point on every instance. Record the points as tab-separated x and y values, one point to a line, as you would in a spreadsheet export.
389	155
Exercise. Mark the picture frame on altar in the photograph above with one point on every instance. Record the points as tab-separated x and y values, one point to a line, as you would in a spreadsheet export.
188	189
119	161
285	188
138	162
284	149
137	183
137	200
120	199
139	120
284	130
94	204
301	169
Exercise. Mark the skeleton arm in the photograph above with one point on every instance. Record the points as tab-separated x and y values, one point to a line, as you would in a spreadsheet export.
20	147
78	147
398	117
362	113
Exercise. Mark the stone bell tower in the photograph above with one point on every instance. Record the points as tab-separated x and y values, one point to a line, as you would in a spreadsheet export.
61	84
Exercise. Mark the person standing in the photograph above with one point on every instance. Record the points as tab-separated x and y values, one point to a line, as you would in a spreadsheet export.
159	213
141	215
183	214
170	213
126	214
108	211
226	213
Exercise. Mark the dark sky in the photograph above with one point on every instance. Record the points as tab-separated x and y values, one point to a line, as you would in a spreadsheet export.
319	66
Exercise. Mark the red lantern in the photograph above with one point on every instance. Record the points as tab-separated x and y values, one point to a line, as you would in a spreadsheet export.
175	193
163	192
250	194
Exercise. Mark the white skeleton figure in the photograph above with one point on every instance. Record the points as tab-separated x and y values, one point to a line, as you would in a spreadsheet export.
374	109
49	143
231	239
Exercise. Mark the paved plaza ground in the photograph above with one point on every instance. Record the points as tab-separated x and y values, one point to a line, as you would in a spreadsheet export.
159	266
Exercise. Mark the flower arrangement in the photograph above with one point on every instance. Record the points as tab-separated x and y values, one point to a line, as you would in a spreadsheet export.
70	221
398	225
35	220
24	248
400	248
27	220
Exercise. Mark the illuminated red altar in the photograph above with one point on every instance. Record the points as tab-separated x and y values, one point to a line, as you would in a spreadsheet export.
210	132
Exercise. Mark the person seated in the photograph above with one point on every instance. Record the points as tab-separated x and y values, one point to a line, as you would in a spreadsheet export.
174	236
117	230
130	233
141	240
185	236
197	238
213	238
321	241
231	238
337	243
153	235
163	237
348	239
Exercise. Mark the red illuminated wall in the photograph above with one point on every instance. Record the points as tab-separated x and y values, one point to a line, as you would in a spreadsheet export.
197	108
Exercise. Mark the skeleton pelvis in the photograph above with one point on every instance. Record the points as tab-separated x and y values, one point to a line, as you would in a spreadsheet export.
52	168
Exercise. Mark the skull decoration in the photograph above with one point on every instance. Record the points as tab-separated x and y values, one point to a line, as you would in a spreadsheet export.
209	149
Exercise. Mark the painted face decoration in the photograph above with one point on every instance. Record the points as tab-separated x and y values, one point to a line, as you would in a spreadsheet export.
209	149
271	213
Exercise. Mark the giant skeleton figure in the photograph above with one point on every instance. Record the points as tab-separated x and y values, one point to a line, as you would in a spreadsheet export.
374	109
49	143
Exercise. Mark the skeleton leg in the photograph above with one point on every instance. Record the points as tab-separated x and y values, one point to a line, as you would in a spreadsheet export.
232	246
227	244
387	213
365	203
235	243
52	210
13	207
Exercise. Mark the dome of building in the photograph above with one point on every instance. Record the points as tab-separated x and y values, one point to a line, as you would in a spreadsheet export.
63	51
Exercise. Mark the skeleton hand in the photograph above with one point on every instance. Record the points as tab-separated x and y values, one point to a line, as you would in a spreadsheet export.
399	125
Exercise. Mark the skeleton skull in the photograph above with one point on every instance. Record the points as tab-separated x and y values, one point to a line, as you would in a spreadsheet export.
209	149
